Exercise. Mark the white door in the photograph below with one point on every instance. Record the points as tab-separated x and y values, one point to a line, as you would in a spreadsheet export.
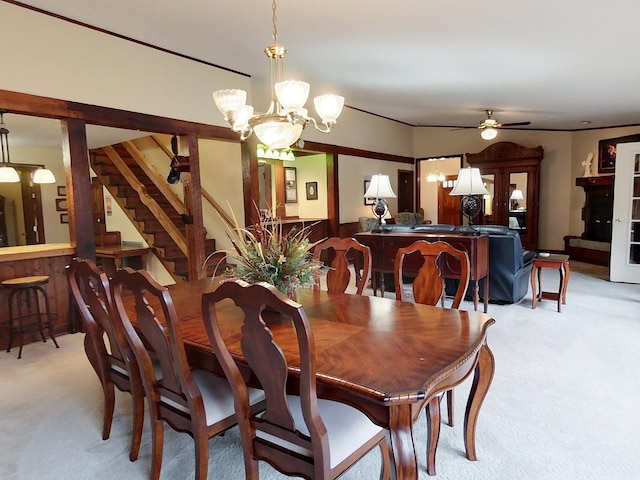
625	239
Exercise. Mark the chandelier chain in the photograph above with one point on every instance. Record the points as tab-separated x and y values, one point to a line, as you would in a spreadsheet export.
275	22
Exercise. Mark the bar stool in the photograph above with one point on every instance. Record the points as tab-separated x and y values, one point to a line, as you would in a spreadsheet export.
25	310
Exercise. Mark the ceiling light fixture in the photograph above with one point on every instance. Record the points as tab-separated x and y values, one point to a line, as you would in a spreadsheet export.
282	124
8	174
435	176
489	133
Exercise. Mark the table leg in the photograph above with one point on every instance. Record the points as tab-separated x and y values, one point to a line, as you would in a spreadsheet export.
433	433
567	274
481	381
534	293
476	295
561	287
402	445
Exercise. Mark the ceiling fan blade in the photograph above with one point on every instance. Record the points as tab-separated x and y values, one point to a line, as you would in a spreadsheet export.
515	124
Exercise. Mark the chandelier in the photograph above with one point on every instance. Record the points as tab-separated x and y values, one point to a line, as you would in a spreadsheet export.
8	174
282	124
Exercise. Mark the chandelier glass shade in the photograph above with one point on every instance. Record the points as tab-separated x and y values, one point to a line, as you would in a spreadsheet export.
286	117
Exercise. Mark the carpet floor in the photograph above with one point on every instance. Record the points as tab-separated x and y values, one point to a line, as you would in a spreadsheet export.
563	403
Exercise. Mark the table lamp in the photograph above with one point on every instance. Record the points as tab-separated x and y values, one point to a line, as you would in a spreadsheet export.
380	188
469	185
515	198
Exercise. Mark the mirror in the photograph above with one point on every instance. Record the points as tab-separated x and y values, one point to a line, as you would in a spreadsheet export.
38	141
517	200
489	200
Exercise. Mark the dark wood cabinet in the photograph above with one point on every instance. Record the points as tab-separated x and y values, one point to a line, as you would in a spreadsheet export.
597	212
506	167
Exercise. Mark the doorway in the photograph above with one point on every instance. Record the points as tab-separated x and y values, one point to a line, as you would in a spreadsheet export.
405	191
449	211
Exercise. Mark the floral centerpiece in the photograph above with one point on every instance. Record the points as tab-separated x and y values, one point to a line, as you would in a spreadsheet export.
265	252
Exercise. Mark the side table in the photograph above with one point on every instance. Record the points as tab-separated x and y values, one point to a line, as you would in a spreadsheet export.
558	261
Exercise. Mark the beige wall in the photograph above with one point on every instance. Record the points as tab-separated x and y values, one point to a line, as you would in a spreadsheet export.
54	58
352	172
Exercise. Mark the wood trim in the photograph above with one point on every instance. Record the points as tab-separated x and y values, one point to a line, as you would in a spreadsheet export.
28	252
356	152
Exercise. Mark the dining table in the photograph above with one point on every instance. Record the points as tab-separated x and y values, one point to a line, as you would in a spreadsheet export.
385	357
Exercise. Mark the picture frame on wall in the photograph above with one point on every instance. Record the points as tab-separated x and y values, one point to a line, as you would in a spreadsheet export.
312	190
64	218
290	185
62	191
61	204
607	152
368	200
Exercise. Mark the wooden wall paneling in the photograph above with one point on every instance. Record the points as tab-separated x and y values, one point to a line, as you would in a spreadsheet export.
56	289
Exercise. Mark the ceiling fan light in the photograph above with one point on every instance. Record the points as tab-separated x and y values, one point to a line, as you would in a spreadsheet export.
43	175
329	107
292	94
9	175
229	100
488	133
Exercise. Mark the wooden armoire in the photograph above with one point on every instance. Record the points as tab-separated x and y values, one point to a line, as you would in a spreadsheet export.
506	167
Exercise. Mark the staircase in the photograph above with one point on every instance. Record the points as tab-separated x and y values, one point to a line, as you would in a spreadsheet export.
156	217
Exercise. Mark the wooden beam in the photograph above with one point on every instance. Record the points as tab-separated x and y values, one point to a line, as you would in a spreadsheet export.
76	164
188	145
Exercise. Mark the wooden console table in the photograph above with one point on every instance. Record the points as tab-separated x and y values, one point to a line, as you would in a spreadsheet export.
385	245
117	253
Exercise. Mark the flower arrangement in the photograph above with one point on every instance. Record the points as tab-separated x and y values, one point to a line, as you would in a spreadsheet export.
264	252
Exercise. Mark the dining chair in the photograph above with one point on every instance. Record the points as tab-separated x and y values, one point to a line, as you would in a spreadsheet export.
299	435
193	401
339	275
114	364
428	287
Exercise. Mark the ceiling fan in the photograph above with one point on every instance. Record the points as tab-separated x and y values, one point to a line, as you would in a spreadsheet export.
488	127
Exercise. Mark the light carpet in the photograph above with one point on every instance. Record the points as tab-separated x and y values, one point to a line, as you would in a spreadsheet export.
563	403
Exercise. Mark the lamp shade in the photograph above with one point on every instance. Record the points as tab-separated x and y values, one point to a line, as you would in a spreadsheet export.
380	187
516	195
43	175
8	175
489	133
469	182
329	107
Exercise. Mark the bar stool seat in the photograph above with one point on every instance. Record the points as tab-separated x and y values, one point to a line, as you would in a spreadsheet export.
25	308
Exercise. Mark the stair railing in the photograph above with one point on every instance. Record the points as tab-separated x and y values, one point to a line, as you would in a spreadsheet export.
147	200
207	196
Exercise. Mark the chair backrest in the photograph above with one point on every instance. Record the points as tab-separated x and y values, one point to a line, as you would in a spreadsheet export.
300	448
171	390
428	285
90	290
338	276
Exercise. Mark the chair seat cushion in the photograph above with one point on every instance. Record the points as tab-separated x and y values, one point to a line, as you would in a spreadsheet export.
216	396
348	428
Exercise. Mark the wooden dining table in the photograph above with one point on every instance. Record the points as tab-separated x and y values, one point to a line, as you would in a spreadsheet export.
385	357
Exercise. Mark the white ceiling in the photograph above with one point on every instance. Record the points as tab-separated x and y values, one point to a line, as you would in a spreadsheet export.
422	62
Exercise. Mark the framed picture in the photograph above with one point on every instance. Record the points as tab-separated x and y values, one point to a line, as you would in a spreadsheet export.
312	190
607	152
61	205
62	191
290	185
368	201
64	218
